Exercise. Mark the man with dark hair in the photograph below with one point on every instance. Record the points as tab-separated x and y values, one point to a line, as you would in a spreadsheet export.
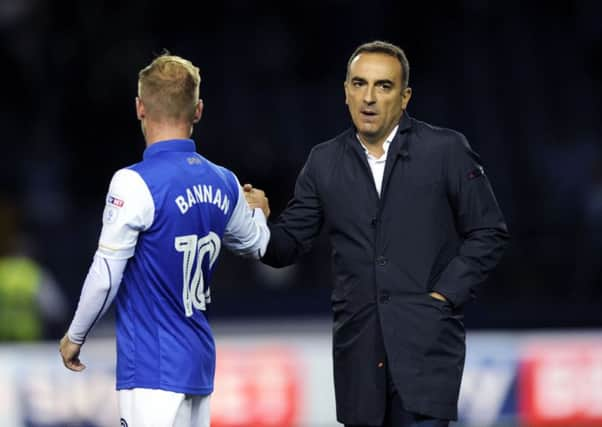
164	223
415	230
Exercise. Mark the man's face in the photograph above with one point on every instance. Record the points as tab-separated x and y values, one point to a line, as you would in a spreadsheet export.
375	95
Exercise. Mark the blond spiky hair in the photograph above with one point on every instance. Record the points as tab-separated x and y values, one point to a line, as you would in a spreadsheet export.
169	88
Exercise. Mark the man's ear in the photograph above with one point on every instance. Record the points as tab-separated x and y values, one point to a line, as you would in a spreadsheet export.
198	112
140	111
406	95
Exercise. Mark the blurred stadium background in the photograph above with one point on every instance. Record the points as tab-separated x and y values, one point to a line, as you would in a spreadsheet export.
521	79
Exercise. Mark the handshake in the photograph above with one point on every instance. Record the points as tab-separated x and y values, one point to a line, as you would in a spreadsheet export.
256	199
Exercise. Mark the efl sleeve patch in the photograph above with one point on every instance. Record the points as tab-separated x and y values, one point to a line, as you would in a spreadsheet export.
475	173
115	201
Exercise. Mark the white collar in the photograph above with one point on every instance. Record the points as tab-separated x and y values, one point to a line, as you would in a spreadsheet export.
386	144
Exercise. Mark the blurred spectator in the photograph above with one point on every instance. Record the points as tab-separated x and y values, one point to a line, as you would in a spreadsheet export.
32	307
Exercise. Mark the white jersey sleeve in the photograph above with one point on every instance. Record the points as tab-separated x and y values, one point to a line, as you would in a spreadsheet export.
247	233
129	209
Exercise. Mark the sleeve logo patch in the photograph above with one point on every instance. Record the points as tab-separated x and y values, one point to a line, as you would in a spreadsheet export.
110	215
475	173
112	200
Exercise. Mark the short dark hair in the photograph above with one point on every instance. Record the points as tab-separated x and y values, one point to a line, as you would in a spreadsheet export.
379	46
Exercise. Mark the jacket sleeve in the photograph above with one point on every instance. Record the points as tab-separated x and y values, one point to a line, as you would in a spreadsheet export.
479	222
299	224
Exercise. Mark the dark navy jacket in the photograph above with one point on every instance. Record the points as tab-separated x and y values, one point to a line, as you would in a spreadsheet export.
436	227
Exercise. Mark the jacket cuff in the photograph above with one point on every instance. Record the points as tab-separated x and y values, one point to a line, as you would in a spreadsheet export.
456	297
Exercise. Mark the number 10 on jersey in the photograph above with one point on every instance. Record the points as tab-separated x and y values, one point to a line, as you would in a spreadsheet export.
195	249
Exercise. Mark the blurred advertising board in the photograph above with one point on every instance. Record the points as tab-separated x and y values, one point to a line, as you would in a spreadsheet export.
561	384
258	387
266	378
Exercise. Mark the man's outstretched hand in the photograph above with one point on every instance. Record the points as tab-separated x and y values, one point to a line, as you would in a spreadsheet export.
256	199
70	354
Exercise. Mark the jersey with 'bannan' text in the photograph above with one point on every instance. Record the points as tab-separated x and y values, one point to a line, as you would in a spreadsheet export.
179	204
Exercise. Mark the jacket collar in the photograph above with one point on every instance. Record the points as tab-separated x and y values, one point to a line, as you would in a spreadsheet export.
405	123
173	145
401	142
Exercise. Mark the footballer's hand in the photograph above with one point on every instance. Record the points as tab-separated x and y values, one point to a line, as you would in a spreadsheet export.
70	354
256	199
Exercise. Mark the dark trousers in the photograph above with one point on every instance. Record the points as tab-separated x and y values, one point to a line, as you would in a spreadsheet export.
397	416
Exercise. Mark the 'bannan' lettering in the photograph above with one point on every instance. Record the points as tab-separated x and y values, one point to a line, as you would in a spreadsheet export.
202	193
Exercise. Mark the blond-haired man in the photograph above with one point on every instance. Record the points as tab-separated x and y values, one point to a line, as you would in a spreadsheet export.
164	223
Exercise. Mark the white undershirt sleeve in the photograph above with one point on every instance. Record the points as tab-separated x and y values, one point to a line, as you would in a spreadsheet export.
99	291
129	210
247	233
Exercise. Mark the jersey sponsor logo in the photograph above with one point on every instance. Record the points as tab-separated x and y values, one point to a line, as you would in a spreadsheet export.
202	193
194	249
112	200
